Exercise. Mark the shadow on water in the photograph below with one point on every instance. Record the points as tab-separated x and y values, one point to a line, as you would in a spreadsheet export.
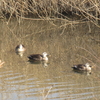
83	72
44	63
21	79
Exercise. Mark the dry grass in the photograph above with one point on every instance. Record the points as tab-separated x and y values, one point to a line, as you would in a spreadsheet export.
82	9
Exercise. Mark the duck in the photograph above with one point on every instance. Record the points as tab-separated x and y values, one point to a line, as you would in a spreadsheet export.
82	67
38	57
20	48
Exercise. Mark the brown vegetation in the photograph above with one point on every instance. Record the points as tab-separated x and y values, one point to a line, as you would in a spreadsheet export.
88	9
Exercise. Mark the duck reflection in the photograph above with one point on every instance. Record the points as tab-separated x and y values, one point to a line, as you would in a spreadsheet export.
44	63
82	72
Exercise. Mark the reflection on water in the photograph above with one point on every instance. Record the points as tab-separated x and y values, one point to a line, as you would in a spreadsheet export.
24	80
83	72
44	63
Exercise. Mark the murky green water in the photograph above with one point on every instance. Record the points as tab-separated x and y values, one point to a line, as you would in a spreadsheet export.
68	45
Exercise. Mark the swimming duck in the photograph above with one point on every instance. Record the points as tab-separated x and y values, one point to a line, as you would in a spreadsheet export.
38	57
20	48
82	67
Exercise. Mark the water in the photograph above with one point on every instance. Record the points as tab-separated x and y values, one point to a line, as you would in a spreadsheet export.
67	45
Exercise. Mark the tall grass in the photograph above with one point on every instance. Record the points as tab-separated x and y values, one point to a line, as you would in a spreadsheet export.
88	9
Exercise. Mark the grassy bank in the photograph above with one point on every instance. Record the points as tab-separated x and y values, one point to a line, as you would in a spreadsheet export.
88	9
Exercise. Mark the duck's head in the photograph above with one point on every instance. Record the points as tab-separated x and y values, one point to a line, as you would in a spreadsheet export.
45	54
88	65
20	48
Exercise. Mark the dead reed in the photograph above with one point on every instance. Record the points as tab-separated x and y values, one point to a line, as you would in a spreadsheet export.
82	9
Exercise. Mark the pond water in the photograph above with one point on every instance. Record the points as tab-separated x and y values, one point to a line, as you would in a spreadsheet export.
67	43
